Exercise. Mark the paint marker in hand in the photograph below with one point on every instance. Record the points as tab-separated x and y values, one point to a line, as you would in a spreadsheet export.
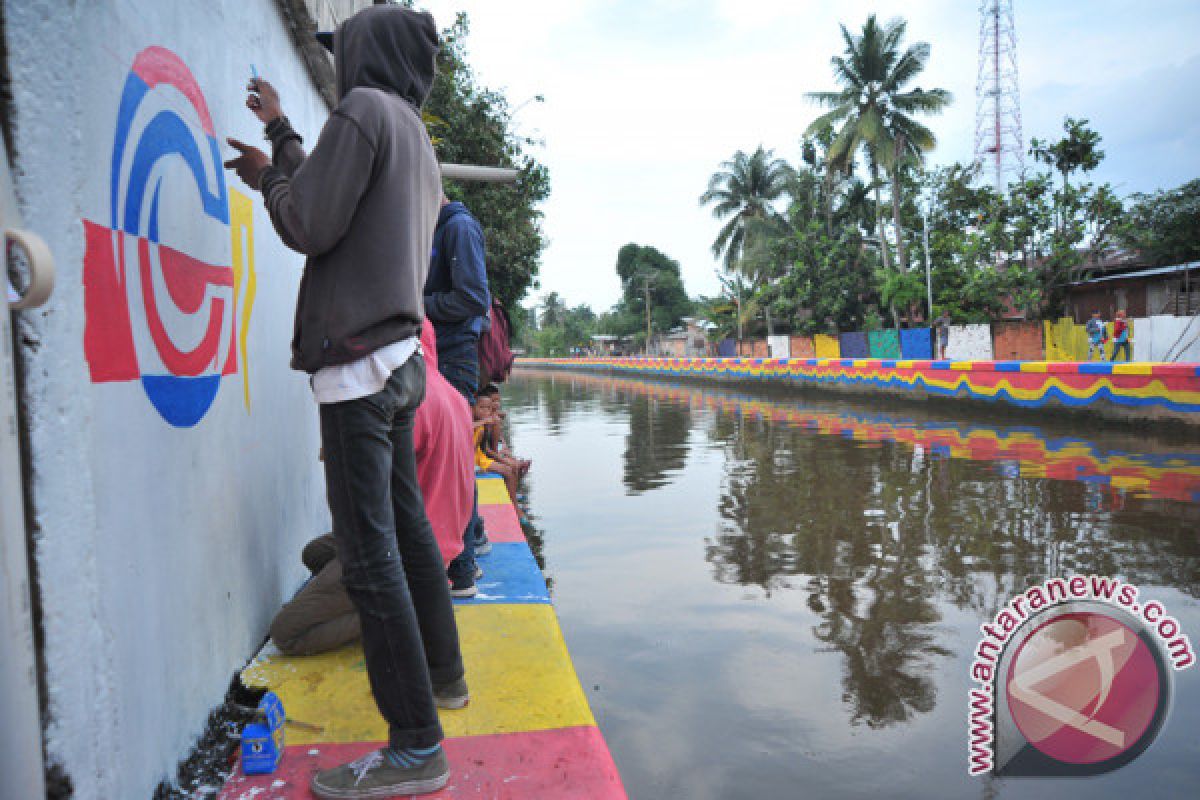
254	72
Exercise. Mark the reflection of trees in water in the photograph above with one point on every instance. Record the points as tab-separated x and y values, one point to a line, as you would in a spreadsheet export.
657	444
881	534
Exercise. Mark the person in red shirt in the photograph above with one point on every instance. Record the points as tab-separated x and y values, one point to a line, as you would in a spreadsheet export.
1121	337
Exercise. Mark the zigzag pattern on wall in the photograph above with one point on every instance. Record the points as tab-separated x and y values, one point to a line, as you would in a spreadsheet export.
1028	384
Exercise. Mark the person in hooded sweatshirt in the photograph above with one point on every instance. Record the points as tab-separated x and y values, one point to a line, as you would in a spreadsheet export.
362	207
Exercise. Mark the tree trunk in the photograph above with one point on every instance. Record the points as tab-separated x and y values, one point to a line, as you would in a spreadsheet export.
828	201
770	322
883	245
901	256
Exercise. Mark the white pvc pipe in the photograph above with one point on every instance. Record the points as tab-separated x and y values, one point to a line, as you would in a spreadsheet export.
469	172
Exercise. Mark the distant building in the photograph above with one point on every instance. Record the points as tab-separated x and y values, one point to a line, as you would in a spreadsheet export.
1173	290
689	340
607	344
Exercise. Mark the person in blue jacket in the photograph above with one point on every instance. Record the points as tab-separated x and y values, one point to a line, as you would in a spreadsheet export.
457	302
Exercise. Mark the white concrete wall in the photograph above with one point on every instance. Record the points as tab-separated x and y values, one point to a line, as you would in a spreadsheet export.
1166	338
163	550
969	343
779	346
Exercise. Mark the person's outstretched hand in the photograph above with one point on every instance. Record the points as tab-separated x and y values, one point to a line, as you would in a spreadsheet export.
263	100
250	164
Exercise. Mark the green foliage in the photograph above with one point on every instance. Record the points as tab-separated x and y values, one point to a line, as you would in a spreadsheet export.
640	267
470	124
1165	225
562	329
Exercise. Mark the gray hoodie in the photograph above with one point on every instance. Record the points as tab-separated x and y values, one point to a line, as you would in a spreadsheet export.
363	205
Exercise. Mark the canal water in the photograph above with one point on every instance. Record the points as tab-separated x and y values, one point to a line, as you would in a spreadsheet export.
773	596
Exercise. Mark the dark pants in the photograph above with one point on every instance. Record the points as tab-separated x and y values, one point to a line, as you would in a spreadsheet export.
460	368
392	568
1118	347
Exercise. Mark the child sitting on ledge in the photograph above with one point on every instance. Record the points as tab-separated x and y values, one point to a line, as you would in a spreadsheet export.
494	445
483	417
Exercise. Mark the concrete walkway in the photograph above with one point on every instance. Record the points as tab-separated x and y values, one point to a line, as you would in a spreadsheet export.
528	731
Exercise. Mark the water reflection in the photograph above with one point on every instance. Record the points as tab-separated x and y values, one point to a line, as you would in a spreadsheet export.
860	543
657	442
878	516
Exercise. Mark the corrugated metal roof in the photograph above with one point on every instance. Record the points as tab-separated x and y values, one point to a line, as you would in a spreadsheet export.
1143	273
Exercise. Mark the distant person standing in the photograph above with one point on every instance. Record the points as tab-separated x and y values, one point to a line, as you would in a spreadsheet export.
942	328
1121	336
1097	335
362	206
457	302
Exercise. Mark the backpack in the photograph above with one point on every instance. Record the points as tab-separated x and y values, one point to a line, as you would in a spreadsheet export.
495	356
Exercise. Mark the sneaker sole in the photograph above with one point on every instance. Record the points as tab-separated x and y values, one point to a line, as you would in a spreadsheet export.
464	592
424	786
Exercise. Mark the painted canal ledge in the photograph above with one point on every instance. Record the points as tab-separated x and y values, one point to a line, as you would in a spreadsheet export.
528	731
1135	392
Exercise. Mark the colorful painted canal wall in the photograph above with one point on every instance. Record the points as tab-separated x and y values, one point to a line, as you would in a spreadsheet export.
528	731
1157	338
1134	391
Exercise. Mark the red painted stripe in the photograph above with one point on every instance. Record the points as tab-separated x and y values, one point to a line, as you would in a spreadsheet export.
107	333
188	278
156	65
563	763
175	360
500	522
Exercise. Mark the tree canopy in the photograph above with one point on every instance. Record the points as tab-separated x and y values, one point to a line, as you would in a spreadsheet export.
471	124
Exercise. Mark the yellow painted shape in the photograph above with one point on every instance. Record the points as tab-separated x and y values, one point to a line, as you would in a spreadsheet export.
518	669
907	364
241	227
826	346
1132	369
962	366
1065	341
1033	366
492	492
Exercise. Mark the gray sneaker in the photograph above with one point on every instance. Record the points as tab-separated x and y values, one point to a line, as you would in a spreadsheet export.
373	776
483	546
452	695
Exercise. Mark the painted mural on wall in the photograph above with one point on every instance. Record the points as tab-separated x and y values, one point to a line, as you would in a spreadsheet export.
169	276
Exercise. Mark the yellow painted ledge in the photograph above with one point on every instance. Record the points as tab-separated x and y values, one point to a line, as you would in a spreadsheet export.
492	492
520	675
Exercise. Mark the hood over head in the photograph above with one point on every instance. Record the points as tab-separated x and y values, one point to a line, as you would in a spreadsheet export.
390	48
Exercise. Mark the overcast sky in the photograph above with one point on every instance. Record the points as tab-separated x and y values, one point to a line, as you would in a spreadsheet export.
645	98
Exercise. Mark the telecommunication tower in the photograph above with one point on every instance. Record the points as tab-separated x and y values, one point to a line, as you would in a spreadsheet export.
999	145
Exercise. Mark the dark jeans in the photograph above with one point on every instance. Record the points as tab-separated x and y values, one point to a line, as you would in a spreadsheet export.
391	563
460	368
1118	347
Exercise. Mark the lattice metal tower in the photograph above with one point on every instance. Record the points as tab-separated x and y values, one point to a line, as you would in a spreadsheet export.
999	144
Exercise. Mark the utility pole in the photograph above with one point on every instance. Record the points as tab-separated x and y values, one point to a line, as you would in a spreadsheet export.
928	273
646	281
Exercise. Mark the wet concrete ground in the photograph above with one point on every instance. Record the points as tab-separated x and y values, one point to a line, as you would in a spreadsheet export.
768	596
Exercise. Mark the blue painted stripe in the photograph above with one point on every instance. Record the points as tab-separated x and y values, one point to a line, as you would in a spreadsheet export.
510	575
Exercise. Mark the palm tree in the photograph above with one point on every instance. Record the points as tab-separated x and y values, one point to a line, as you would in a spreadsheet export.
554	310
874	109
742	192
